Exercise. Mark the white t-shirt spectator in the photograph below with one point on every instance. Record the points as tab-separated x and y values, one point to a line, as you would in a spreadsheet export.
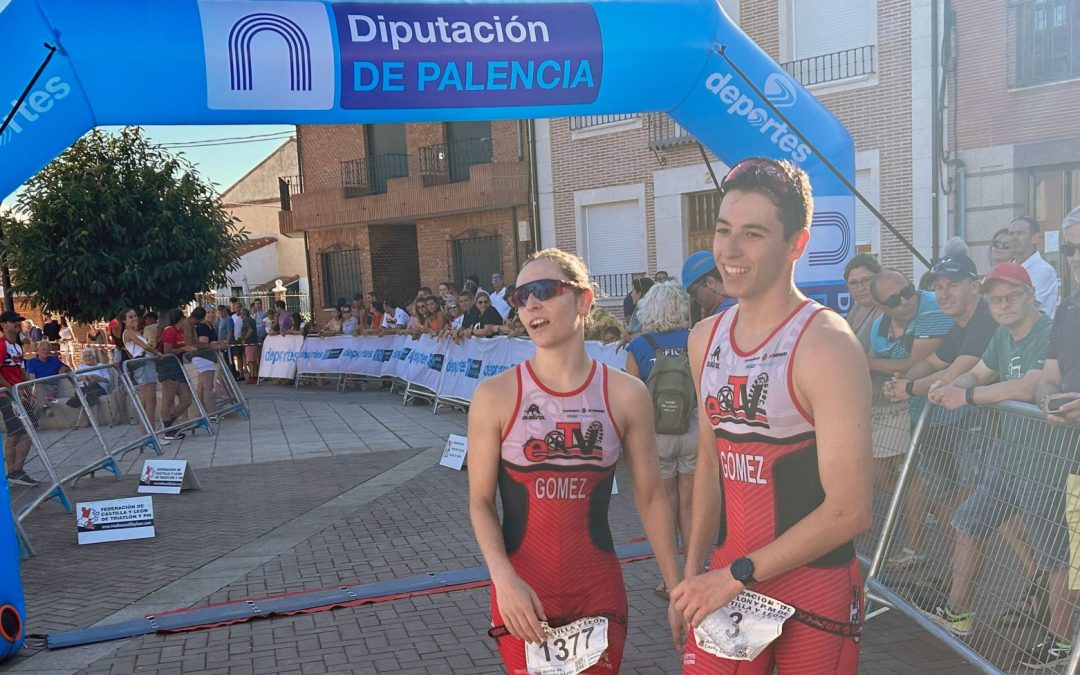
105	374
238	326
498	301
400	319
1046	282
456	325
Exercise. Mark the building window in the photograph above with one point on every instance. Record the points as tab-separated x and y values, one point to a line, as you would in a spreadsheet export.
818	53
1045	37
614	249
481	256
341	276
1052	194
699	214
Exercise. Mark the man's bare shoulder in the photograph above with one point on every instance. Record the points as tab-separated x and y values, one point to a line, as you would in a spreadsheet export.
828	345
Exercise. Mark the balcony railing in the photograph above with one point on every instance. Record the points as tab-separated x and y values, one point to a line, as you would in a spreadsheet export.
833	67
587	121
368	175
450	162
665	132
615	285
287	187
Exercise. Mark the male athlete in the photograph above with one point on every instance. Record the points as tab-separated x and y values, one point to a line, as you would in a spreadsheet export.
785	417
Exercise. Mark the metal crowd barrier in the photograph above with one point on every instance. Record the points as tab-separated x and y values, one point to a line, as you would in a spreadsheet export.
20	443
165	387
987	506
226	397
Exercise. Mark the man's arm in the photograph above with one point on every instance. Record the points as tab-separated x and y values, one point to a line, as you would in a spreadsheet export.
954	395
920	349
840	407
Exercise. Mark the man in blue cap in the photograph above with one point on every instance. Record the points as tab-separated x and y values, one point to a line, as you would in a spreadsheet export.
702	281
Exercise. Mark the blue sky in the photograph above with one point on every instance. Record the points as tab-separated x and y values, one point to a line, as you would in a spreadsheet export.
221	164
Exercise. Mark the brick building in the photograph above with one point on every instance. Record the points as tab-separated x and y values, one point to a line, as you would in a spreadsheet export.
1017	79
632	193
392	207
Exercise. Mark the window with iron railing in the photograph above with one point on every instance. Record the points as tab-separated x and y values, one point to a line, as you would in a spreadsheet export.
369	175
450	162
1044	38
615	285
842	65
341	276
287	187
589	121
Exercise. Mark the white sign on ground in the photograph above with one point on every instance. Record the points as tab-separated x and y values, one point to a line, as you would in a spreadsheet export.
115	520
167	476
453	454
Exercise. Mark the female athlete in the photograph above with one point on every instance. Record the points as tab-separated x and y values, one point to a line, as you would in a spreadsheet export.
552	454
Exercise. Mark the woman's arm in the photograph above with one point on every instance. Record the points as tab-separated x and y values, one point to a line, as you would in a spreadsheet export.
518	603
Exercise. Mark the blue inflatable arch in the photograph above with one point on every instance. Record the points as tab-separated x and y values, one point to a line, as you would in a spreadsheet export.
314	62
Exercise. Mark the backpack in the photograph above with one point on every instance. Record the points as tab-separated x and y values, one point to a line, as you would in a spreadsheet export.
672	389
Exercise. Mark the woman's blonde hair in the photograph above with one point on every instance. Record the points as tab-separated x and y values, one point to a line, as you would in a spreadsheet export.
575	269
666	306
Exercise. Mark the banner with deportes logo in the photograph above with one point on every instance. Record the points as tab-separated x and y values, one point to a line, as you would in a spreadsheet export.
293	62
445	367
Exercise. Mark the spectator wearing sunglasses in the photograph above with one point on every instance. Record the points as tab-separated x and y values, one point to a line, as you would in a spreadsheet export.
500	295
910	328
488	319
857	275
1059	388
349	321
1000	248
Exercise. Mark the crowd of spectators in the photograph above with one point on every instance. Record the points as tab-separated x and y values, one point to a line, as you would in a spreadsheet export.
966	343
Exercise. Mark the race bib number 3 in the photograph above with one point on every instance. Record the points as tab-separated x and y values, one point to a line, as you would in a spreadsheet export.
743	628
570	649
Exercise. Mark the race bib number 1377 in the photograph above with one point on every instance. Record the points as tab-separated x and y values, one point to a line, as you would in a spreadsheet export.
570	649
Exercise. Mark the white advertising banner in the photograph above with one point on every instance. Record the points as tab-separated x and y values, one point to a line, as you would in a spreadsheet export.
450	369
279	354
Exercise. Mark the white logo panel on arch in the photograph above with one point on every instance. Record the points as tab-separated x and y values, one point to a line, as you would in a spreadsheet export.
268	55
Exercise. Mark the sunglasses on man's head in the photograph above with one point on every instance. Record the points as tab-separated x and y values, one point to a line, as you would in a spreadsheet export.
1069	249
894	300
543	289
771	174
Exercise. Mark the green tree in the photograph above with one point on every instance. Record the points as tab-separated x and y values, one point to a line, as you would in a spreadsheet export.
117	222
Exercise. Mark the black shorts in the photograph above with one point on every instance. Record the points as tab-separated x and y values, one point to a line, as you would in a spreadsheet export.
12	424
170	370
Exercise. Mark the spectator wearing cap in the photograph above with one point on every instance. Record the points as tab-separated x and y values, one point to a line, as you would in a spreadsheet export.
957	291
16	441
661	276
1014	478
702	281
1024	232
1059	387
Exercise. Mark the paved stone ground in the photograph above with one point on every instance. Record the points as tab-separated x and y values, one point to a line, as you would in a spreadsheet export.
323	489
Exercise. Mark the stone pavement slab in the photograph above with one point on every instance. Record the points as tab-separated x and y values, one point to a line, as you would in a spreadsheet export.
361	509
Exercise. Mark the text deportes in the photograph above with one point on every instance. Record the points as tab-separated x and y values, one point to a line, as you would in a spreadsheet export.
742	105
468	76
363	28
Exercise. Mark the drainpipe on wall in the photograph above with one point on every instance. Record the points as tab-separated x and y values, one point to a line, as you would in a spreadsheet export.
961	199
935	131
534	185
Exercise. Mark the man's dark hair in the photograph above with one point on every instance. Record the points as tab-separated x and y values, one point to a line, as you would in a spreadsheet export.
378	306
280	304
233	300
424	290
642	284
885	273
793	200
473	278
1033	225
222	309
198	314
357	296
862	260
